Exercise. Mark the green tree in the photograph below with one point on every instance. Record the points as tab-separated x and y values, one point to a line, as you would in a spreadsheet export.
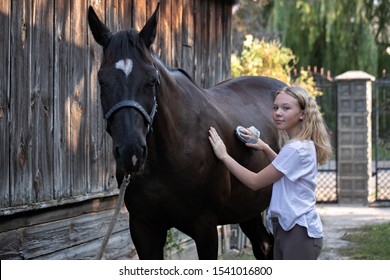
378	14
338	35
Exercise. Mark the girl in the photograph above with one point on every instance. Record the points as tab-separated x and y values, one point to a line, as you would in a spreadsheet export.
292	216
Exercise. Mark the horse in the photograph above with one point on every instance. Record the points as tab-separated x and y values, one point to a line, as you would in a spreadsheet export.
158	119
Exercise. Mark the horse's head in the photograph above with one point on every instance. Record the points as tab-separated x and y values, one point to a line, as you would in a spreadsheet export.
128	81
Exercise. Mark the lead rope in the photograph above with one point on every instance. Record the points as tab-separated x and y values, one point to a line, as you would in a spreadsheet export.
122	188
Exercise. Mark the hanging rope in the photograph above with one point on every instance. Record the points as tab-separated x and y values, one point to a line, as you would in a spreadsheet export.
122	188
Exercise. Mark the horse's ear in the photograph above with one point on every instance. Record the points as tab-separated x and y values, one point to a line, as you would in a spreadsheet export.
148	32
100	32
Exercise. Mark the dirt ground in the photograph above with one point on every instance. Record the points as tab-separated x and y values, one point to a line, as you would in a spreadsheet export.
337	219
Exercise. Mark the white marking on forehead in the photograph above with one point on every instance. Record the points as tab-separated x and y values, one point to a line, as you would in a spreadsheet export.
126	65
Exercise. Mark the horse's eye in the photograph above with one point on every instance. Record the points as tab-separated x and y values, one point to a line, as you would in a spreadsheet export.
153	82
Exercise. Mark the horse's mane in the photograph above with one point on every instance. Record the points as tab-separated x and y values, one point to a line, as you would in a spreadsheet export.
173	69
186	74
121	44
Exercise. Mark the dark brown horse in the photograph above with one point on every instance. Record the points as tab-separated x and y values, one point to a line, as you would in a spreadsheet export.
176	179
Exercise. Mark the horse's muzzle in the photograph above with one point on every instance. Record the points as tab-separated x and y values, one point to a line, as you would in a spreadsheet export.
130	159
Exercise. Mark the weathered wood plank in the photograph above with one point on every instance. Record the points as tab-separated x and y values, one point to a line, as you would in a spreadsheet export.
98	137
118	247
226	31
5	25
150	8
39	240
187	29
139	15
41	92
198	43
107	11
44	239
52	214
211	44
125	13
176	25
204	43
20	104
165	44
62	90
219	39
10	244
78	99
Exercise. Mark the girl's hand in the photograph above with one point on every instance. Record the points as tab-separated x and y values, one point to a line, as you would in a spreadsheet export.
217	143
260	145
254	143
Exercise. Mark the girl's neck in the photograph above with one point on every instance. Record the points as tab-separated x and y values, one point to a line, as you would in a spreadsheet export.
292	134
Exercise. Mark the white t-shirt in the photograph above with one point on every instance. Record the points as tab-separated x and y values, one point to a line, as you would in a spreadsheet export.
293	196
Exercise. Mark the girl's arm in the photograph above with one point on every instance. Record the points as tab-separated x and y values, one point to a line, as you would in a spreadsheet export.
254	181
265	148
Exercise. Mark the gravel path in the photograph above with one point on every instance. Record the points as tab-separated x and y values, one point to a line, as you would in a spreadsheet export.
337	219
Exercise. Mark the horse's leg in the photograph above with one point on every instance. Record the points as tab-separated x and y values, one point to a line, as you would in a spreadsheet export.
206	241
149	240
262	241
205	236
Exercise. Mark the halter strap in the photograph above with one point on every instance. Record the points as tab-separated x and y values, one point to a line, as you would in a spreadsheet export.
135	105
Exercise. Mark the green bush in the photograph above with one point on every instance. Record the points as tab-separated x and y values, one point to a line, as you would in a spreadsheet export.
261	58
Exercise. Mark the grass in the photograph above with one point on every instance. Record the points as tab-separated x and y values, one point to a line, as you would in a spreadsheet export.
371	242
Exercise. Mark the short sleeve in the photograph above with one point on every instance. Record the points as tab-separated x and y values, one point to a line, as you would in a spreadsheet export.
293	161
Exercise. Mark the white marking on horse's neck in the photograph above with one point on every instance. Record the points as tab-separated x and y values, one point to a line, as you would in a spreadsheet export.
126	65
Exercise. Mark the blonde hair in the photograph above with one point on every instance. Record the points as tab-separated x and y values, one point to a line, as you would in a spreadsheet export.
312	127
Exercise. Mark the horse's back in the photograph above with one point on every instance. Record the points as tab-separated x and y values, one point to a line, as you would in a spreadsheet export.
246	100
247	87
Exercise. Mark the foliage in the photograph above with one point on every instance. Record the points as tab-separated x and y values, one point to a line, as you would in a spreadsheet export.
261	58
330	34
371	242
377	14
337	35
173	243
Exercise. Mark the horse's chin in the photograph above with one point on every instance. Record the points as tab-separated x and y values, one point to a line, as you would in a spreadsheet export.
131	170
137	173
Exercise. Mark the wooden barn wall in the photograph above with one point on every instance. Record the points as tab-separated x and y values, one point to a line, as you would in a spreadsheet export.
53	142
55	154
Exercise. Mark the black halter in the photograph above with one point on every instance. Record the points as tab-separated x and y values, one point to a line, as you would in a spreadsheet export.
134	104
138	107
